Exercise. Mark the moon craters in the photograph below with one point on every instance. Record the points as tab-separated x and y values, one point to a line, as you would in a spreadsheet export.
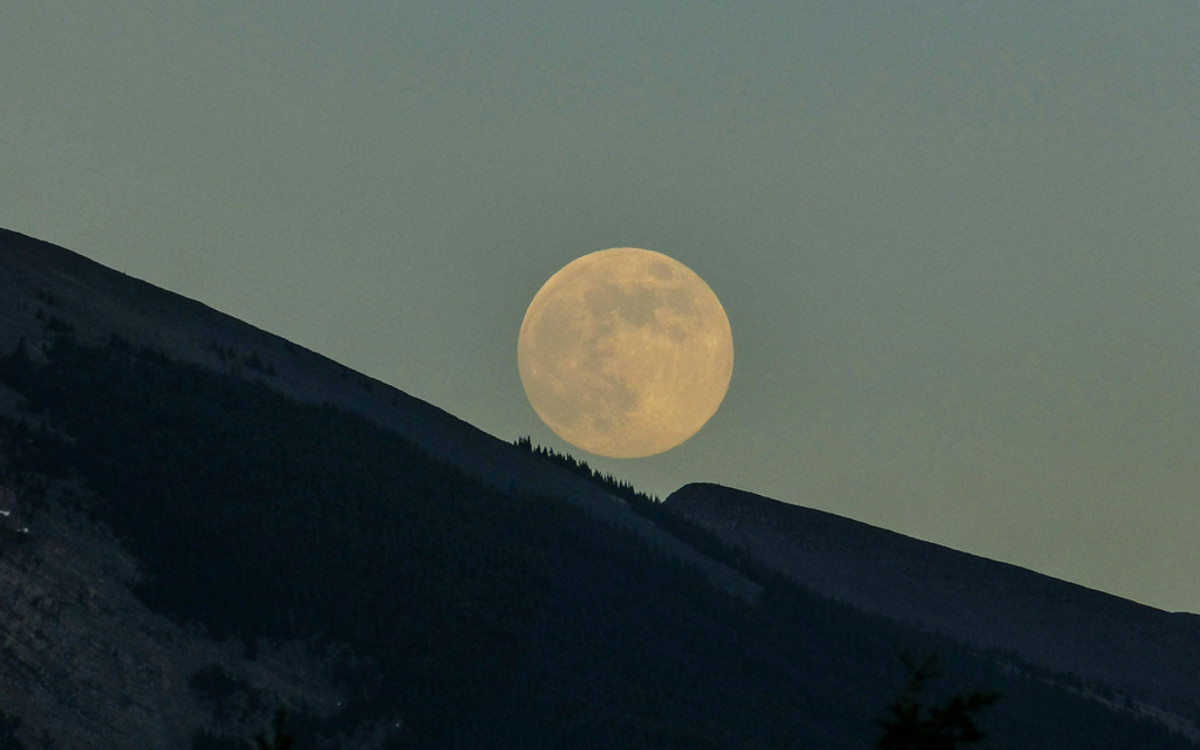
625	352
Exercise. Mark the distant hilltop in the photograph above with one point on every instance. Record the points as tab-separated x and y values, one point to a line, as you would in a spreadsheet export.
992	605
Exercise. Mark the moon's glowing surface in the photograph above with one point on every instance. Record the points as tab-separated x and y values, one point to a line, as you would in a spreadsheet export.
625	353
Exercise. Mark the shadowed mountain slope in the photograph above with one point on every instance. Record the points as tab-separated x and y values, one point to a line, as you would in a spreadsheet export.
213	521
1144	652
45	289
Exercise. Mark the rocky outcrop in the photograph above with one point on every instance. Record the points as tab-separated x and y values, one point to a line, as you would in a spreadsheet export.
86	665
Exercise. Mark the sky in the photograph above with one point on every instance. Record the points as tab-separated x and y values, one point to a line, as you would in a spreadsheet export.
958	242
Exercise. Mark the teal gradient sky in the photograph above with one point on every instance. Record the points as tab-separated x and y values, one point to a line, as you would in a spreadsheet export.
958	242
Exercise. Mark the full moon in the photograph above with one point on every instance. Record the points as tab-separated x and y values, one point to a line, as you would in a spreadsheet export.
625	353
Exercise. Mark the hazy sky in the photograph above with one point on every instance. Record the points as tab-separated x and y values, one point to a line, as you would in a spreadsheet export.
958	242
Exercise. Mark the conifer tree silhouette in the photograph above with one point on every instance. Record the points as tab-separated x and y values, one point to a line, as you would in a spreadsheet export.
911	725
281	738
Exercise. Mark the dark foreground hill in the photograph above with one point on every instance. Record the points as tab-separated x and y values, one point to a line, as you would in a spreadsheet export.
204	522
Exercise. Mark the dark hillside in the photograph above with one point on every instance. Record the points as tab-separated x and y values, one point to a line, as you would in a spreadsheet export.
269	520
1149	655
47	290
473	616
210	534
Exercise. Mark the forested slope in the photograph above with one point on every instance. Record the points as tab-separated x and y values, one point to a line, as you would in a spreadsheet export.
458	614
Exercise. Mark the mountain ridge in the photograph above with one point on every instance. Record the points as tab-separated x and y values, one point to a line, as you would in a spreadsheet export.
220	520
990	604
80	293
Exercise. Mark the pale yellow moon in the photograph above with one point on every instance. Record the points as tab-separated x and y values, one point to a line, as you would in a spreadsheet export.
625	353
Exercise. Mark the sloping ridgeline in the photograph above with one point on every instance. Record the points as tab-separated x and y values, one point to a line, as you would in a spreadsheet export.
480	618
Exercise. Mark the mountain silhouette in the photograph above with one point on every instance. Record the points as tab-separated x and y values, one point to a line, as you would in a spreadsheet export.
1140	650
215	522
